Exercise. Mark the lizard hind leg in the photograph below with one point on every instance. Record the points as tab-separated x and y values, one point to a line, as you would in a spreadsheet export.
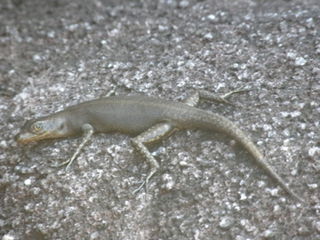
195	98
153	134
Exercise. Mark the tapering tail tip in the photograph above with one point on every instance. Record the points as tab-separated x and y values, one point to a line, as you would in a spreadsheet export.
297	198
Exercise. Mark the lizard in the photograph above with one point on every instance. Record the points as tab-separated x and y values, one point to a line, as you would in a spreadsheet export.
148	119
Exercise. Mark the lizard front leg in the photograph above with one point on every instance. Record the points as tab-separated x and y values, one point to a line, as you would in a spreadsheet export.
88	131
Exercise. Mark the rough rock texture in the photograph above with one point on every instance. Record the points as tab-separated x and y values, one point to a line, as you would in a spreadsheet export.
57	53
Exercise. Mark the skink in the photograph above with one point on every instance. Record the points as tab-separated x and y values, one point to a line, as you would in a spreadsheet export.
149	118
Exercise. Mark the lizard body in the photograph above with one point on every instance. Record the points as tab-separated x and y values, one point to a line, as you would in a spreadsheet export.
151	118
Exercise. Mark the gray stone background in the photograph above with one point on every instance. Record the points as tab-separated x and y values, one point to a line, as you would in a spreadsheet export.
58	53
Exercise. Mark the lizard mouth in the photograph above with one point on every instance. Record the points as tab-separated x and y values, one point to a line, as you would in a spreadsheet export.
27	137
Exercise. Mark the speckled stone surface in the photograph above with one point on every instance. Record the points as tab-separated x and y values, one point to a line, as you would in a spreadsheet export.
58	53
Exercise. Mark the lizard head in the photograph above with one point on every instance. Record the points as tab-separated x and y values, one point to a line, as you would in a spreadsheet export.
42	128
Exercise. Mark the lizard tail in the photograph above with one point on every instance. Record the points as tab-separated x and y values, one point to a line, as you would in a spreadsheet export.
215	122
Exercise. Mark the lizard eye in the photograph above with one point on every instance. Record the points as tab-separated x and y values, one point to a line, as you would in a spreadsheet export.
36	127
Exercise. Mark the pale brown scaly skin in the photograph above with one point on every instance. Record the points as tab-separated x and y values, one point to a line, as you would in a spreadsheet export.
151	118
